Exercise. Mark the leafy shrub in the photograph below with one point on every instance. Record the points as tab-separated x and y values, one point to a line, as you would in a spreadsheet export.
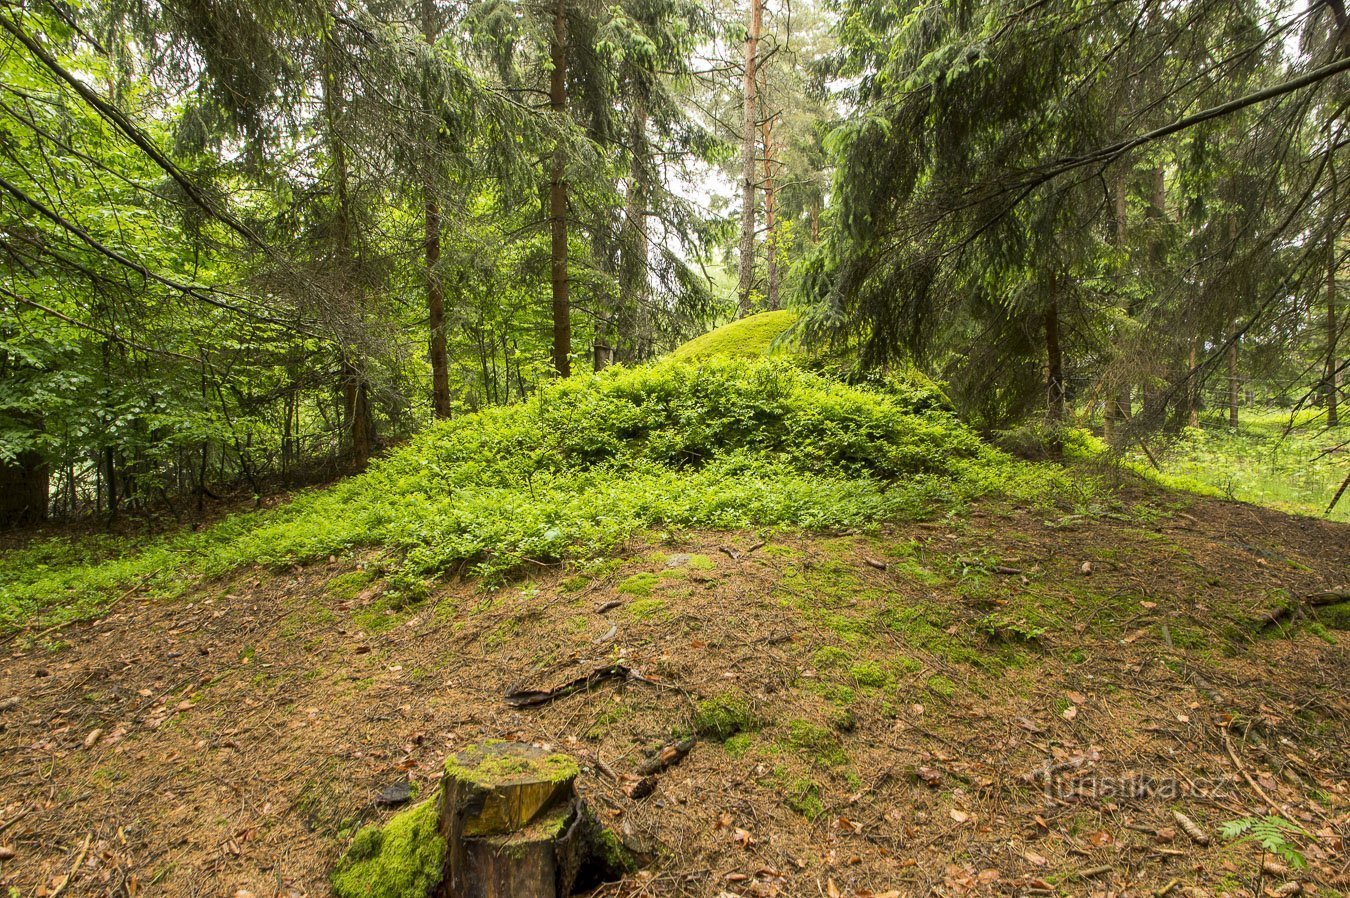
584	465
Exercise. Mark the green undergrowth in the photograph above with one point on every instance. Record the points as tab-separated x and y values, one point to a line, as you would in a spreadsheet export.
1275	458
584	465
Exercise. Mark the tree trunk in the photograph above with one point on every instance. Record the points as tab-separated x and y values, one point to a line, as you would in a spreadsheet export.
507	813
440	365
23	490
747	249
634	276
1193	388
1118	405
1233	385
770	218
357	415
1333	363
357	420
1054	370
557	201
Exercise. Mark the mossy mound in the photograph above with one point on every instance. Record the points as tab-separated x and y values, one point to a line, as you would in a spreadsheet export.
591	461
724	716
749	337
1336	616
402	859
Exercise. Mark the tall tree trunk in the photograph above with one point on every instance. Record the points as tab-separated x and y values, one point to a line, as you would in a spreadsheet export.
356	412
23	490
357	419
1118	405
1193	387
748	134
1333	334
770	219
440	364
1333	363
1054	359
1233	385
557	201
622	322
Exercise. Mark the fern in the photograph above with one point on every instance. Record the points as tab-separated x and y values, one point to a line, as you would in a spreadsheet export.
1271	833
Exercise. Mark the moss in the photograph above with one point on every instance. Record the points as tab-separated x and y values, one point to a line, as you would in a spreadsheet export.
491	768
645	609
831	658
748	337
639	584
1337	616
941	686
816	742
402	859
802	795
345	587
870	675
615	857
724	716
739	745
701	563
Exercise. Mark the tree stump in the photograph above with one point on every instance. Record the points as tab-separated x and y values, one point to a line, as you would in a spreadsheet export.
512	823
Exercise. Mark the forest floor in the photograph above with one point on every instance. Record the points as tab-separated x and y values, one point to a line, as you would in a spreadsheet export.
1006	701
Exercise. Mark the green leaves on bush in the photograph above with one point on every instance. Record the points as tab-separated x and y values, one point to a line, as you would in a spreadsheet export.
593	460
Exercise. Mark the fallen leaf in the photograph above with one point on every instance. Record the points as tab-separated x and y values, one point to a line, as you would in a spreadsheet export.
1070	712
959	816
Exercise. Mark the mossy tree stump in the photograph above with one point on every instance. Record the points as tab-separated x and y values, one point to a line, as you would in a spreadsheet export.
512	823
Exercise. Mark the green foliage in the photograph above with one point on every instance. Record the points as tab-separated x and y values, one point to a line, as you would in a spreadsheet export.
1272	459
402	859
582	466
1271	833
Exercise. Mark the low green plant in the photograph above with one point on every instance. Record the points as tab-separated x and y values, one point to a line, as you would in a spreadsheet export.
587	463
1272	833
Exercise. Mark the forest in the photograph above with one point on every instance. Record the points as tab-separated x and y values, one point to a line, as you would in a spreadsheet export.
658	447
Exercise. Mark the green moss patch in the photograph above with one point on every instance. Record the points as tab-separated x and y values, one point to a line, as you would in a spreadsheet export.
640	584
724	716
749	337
402	859
1337	616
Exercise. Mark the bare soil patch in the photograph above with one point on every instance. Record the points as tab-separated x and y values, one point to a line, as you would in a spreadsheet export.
1008	702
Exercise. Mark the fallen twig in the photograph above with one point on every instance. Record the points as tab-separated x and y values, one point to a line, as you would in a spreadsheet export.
532	698
1256	787
79	859
670	754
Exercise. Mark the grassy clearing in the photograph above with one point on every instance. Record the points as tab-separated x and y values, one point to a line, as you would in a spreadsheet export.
1266	461
586	464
